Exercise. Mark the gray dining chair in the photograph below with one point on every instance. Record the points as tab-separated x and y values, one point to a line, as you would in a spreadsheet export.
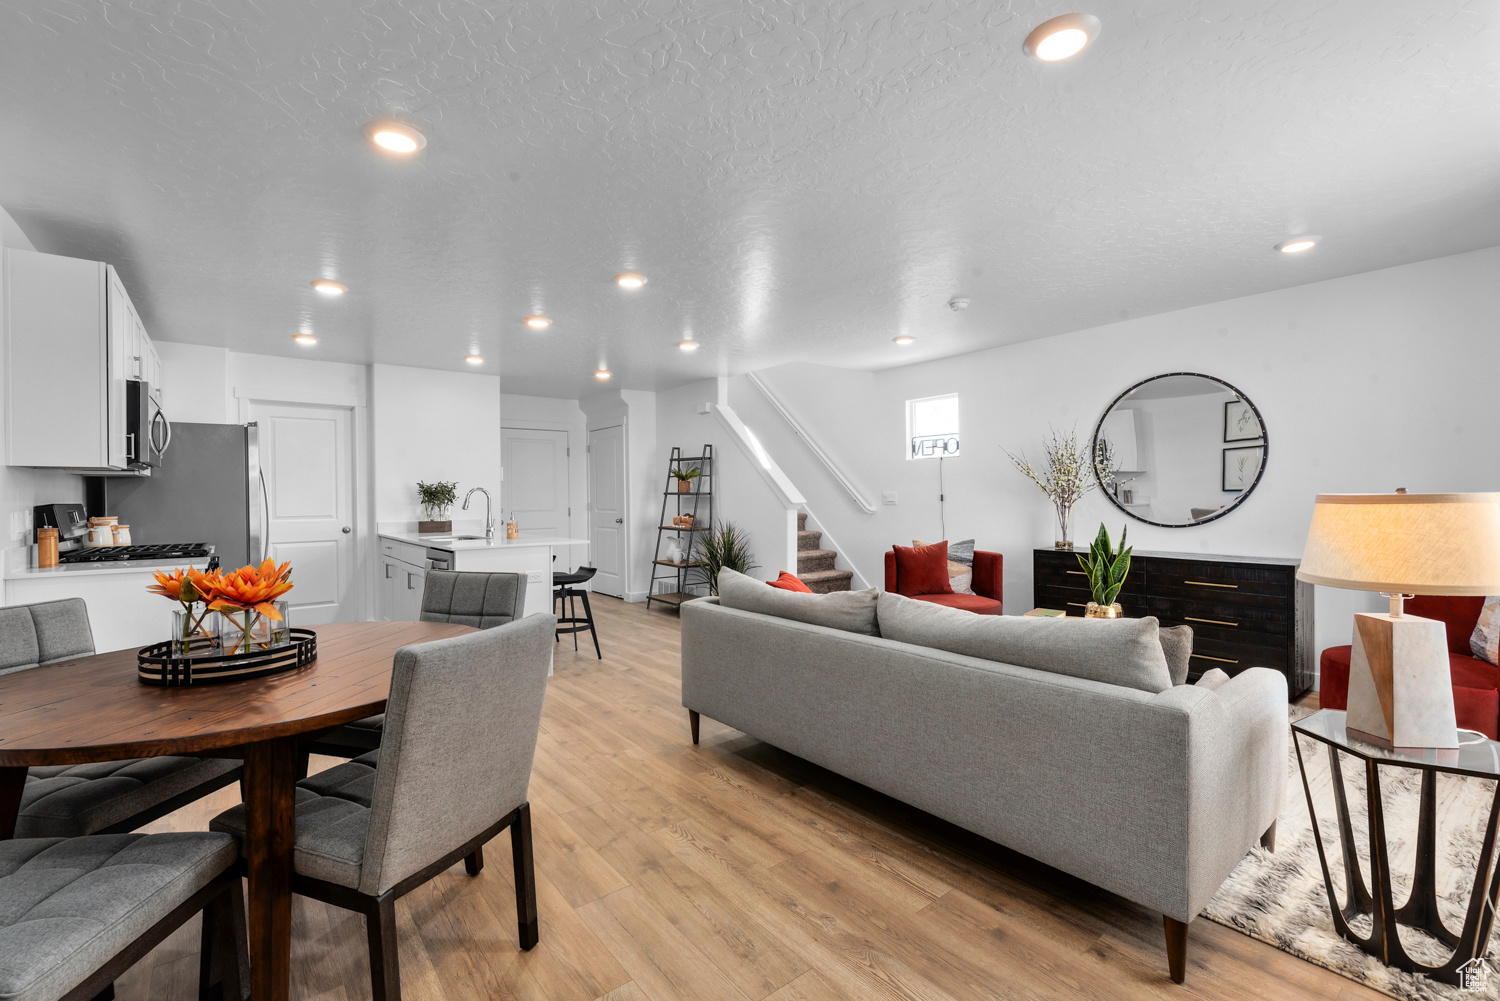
482	600
75	913
102	797
461	729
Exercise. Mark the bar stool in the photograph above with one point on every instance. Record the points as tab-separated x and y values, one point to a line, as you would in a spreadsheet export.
565	589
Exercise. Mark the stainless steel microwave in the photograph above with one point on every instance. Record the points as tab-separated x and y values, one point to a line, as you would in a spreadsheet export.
148	433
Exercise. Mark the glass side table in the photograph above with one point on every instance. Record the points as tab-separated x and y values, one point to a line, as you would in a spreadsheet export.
1481	758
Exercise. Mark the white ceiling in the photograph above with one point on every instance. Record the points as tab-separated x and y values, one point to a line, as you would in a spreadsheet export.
800	180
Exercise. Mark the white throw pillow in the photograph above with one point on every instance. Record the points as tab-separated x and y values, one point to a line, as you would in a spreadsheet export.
851	611
1486	639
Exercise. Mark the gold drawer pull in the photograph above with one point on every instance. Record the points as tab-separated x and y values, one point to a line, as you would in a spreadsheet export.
1212	622
1206	583
1221	660
1080	573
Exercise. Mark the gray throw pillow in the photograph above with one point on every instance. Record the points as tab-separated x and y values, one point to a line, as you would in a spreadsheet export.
1212	679
1177	644
1125	652
851	611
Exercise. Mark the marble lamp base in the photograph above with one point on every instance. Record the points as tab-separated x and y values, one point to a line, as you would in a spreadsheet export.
1400	691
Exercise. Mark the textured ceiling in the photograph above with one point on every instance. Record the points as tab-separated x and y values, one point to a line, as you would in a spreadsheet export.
800	180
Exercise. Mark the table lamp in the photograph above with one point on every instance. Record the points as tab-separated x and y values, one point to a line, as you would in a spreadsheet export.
1402	545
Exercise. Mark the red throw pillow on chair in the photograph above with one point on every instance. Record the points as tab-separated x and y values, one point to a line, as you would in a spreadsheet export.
789	582
922	570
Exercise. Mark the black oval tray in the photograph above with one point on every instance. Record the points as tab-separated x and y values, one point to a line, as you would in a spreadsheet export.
157	666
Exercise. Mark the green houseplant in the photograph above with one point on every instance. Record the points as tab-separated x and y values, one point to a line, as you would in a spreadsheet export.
436	499
726	546
685	478
1106	568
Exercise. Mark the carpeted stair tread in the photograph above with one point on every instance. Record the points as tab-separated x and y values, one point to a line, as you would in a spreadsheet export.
825	581
809	540
801	521
812	560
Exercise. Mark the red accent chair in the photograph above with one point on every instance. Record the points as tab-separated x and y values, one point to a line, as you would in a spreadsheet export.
1476	683
989	585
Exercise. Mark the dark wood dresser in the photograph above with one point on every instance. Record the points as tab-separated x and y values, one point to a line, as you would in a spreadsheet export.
1246	611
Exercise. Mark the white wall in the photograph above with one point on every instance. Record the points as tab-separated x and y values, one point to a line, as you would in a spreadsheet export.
551	414
431	425
1366	383
21	487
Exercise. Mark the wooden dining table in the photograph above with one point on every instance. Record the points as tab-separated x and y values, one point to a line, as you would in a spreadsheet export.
95	709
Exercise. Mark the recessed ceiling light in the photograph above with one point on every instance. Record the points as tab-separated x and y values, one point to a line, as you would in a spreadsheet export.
330	287
538	322
1061	37
1297	244
395	137
630	280
306	340
688	345
904	340
474	359
602	375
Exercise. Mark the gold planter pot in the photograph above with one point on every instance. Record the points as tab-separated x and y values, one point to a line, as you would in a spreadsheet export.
1096	611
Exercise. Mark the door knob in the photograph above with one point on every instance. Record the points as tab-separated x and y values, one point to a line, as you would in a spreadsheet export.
619	521
347	529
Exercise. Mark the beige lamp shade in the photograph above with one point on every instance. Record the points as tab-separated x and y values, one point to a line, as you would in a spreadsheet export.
1405	543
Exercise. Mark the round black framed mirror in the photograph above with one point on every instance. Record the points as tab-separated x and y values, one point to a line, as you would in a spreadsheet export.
1180	449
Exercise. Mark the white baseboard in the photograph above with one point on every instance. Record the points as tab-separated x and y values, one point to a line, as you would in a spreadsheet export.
636	596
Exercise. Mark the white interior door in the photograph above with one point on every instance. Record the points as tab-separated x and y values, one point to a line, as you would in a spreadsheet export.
536	482
607	509
307	461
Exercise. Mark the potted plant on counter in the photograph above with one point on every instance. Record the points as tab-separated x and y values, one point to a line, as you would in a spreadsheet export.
1106	569
436	498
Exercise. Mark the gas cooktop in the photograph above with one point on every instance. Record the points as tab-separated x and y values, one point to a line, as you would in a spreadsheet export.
124	554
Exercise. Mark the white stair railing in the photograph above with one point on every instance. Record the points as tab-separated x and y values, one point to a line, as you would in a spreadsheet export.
812	443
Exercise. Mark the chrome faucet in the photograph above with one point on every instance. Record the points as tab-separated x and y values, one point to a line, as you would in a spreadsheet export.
489	518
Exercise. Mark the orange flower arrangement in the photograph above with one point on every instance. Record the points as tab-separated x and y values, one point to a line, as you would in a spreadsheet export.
250	591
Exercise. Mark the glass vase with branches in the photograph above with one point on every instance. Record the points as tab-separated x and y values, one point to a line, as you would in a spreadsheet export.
1068	471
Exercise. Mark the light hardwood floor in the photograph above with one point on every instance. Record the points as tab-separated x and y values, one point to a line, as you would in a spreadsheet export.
730	871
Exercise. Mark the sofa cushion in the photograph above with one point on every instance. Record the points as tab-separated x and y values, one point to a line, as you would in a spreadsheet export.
1177	644
67	906
1124	652
960	564
976	603
922	569
790	582
1212	679
851	611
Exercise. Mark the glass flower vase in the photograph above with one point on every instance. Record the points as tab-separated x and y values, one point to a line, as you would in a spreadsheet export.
196	633
248	631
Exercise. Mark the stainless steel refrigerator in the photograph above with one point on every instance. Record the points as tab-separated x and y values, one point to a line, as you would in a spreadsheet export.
207	488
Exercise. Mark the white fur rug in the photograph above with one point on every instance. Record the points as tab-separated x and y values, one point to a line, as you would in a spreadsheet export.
1279	897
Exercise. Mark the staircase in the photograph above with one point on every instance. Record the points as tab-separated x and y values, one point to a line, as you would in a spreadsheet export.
815	566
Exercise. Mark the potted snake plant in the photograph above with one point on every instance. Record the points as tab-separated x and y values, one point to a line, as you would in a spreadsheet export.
1106	568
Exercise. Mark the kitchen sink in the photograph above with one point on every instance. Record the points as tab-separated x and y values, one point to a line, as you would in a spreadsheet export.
451	538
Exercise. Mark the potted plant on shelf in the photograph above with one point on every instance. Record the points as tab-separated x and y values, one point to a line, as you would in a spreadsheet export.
1069	473
725	546
1106	569
436	499
685	478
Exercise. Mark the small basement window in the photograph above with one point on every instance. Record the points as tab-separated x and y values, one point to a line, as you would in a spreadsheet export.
932	427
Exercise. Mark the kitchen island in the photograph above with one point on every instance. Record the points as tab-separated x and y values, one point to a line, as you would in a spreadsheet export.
405	557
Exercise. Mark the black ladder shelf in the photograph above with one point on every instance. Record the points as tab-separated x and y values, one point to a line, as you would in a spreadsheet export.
699	503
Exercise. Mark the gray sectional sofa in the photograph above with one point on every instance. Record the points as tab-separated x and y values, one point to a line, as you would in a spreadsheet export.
1153	795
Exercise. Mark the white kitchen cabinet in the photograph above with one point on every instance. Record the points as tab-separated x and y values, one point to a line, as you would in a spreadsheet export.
409	593
70	340
390	573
